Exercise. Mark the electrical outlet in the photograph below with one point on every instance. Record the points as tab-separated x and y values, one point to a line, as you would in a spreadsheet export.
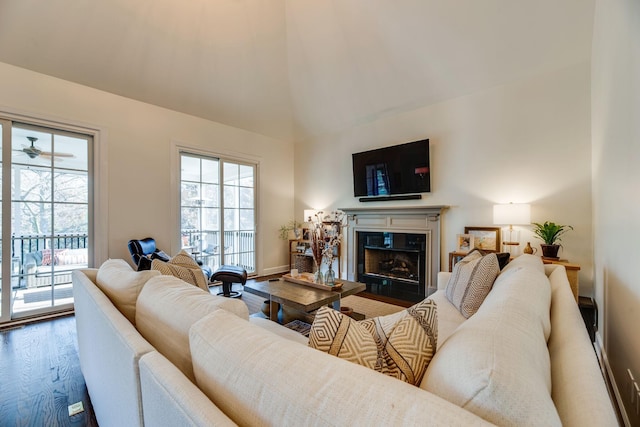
76	408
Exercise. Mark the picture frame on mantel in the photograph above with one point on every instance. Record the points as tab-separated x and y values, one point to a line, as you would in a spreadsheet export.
485	238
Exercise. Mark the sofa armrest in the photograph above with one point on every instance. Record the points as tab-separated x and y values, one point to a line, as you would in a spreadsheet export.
443	278
170	399
109	347
579	391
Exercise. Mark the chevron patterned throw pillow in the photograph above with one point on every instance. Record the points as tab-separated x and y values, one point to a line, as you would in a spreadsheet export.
184	267
400	345
471	280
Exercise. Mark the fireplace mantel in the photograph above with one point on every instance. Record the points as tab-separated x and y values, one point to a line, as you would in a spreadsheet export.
400	219
429	211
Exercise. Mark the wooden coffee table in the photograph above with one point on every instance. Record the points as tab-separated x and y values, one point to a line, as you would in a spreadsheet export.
300	297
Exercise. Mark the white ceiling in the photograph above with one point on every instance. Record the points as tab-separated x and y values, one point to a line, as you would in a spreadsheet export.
291	69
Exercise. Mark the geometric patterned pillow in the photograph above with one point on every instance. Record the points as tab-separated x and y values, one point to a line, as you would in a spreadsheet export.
341	336
399	345
471	280
184	267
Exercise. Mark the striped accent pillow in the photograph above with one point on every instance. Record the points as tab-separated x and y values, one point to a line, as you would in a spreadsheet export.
399	345
184	267
471	280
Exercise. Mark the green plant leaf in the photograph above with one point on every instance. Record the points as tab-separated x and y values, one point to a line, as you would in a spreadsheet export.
550	232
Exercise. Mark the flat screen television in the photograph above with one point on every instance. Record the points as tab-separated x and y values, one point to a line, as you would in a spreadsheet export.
397	170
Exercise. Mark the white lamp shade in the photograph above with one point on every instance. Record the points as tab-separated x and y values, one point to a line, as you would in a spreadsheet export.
512	214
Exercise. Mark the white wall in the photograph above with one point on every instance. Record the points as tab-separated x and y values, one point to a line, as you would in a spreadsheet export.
140	159
616	186
527	141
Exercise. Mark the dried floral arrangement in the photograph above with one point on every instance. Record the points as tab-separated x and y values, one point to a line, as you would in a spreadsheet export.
326	234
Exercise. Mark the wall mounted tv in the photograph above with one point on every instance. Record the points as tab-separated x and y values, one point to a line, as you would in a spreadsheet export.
398	172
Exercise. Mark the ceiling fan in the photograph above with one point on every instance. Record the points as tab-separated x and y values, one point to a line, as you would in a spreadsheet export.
34	152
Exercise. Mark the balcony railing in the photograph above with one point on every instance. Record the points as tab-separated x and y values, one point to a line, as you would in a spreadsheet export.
239	247
39	260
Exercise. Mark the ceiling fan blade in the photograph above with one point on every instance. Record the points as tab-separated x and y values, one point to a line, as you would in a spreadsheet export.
49	154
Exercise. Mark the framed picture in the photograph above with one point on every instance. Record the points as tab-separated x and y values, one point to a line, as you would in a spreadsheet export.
485	238
464	242
305	234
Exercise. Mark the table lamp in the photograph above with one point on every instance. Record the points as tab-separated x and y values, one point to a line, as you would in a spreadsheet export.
511	214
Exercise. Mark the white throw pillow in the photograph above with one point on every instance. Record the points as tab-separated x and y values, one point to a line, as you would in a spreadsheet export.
471	280
122	285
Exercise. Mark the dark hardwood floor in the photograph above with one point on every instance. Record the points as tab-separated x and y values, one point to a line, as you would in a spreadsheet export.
40	372
40	375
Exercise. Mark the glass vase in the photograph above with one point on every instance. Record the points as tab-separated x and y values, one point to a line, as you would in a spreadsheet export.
330	277
318	275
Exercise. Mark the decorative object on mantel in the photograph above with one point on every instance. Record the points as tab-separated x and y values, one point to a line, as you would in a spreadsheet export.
325	233
511	214
550	233
292	225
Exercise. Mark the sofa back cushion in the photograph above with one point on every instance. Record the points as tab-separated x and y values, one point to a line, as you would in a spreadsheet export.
118	281
258	378
496	364
166	309
525	261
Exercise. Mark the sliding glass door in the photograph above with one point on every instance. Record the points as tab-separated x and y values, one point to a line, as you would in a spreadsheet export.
45	217
217	210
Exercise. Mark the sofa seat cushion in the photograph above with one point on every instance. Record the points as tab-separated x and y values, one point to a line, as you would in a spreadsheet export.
471	280
184	267
166	309
258	378
399	345
496	364
118	281
449	318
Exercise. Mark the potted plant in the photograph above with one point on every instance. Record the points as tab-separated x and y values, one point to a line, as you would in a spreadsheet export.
292	225
550	233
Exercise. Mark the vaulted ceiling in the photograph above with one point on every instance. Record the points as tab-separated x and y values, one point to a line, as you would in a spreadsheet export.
291	69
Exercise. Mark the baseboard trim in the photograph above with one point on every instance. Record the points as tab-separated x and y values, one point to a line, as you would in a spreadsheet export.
610	380
275	270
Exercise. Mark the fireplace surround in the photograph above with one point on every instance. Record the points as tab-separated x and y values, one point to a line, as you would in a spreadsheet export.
394	251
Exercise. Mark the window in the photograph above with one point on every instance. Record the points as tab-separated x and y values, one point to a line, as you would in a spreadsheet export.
217	211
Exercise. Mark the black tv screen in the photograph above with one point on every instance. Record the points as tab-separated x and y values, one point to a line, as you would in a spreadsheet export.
400	169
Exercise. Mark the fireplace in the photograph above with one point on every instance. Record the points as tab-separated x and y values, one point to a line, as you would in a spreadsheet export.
392	264
395	251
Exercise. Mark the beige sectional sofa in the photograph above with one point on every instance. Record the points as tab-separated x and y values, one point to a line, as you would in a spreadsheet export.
183	357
